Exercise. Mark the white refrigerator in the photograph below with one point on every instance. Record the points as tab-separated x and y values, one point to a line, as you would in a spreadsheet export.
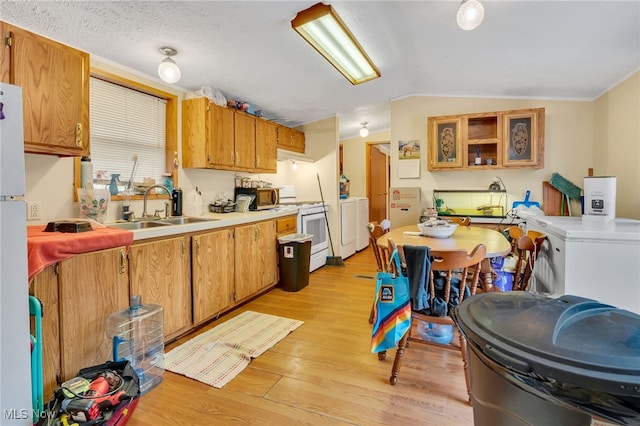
600	261
15	352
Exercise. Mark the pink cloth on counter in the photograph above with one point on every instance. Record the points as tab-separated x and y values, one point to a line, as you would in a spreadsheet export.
47	248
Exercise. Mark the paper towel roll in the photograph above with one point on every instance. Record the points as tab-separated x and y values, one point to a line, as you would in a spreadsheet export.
192	204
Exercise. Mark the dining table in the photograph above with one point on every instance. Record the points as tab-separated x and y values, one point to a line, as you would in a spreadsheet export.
464	237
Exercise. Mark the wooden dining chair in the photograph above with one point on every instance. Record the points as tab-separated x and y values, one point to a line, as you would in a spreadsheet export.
443	265
527	248
381	253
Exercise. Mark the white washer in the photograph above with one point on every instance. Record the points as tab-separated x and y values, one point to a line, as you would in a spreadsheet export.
348	227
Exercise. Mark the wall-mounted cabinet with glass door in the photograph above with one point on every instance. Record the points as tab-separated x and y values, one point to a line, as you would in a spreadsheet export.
491	140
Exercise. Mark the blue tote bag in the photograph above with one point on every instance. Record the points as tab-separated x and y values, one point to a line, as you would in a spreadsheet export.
392	308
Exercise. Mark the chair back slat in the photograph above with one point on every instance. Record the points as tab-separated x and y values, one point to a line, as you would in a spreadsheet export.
381	253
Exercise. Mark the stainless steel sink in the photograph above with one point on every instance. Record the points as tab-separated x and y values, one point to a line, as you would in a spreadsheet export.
137	225
181	220
154	222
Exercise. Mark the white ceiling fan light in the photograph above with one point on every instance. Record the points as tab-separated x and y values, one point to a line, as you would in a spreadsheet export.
470	14
364	132
168	70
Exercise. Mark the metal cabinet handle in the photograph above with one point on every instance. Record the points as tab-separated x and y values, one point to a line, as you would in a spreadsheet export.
79	135
123	261
196	241
182	247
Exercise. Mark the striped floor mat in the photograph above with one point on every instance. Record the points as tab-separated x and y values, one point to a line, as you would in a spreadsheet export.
218	355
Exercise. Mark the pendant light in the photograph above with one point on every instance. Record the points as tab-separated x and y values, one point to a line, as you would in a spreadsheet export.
168	70
364	132
470	14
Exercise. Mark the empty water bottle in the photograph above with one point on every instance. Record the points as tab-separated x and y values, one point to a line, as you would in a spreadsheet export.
137	334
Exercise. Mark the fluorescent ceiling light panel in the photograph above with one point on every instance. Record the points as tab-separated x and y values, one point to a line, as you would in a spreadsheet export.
326	32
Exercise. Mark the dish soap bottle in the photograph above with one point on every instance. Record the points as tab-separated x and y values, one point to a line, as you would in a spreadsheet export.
113	185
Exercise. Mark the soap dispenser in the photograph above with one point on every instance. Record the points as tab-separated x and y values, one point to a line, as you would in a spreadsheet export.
113	185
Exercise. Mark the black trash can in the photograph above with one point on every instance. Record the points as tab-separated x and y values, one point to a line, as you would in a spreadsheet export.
295	255
535	360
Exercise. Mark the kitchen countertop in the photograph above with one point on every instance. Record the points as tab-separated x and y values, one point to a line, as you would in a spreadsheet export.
224	220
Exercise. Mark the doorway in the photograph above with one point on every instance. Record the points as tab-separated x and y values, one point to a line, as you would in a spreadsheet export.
378	179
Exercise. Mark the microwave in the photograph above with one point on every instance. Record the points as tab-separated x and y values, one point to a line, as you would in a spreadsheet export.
264	198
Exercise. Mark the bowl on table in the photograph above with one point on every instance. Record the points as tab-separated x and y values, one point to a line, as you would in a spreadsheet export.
437	229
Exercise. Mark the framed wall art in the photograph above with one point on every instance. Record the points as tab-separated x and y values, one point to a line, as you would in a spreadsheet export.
444	142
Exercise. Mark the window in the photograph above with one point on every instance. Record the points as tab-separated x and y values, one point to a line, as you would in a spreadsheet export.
126	119
126	124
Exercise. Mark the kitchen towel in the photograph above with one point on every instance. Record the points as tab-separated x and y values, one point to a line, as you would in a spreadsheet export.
218	355
47	248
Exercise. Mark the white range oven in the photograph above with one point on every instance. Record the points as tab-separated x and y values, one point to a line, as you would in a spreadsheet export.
311	220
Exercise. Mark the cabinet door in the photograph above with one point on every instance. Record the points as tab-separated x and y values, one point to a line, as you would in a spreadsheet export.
267	254
245	140
92	287
246	270
196	118
45	288
160	273
221	139
212	262
445	146
297	141
284	138
55	83
266	140
255	257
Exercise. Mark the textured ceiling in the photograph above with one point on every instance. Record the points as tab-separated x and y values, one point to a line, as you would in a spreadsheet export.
573	50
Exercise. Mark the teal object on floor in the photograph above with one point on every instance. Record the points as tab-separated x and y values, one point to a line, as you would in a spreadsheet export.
37	385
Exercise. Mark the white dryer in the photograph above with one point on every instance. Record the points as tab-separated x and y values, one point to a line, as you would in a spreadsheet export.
348	227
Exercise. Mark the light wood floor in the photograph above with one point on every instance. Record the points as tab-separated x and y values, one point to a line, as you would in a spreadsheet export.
323	372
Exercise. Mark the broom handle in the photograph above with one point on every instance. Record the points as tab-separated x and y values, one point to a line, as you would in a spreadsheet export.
326	219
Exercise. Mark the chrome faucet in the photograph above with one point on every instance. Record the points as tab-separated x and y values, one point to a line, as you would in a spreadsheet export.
146	193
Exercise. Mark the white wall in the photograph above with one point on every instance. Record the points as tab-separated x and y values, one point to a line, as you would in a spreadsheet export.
617	143
568	144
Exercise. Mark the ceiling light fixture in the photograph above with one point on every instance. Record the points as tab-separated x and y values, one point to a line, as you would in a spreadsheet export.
168	70
321	26
470	14
364	132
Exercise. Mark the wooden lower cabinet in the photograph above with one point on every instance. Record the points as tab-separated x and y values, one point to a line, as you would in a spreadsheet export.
212	266
45	288
160	271
78	295
255	258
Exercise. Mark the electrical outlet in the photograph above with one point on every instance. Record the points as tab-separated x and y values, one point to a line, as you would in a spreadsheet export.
34	210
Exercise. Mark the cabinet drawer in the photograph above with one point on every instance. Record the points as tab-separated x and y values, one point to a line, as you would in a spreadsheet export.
287	225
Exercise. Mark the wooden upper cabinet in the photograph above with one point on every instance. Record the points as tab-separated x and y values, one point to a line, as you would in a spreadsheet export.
492	140
216	137
245	140
220	146
266	140
55	83
291	139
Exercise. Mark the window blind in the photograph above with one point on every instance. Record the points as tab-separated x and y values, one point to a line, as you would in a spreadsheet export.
124	123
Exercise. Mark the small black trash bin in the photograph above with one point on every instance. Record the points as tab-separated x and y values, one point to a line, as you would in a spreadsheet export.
535	360
295	255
